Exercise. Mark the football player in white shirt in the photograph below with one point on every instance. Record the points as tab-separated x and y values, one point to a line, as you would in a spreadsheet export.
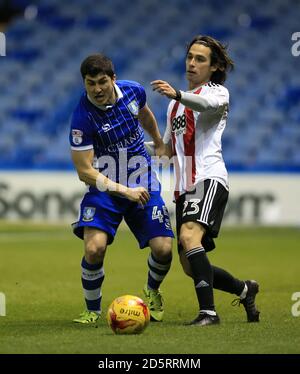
195	122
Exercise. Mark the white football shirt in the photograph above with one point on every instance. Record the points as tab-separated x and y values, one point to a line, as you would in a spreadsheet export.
196	136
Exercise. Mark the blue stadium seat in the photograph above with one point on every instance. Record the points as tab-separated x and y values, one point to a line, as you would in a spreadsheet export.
44	56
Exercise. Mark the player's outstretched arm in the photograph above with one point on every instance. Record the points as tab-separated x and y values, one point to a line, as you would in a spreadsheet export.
83	161
193	101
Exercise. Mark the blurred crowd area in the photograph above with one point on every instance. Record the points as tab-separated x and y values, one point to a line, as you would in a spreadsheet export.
46	41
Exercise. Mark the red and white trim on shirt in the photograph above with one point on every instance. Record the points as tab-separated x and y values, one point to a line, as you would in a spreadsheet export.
189	147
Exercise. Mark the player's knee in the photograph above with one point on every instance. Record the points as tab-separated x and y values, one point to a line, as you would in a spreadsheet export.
191	234
162	249
186	238
94	252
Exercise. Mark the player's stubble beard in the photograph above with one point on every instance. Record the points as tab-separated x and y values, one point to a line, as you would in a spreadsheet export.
109	98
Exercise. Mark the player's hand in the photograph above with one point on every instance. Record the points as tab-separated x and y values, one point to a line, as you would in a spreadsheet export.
164	88
157	149
150	148
160	149
139	195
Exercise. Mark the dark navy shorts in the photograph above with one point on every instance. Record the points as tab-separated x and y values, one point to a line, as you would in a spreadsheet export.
205	205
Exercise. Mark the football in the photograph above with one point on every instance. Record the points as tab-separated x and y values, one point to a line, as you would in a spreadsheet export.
128	315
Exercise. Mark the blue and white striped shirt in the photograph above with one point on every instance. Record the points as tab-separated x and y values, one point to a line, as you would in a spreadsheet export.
114	132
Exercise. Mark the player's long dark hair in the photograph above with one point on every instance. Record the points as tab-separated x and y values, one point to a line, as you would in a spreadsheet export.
219	57
95	64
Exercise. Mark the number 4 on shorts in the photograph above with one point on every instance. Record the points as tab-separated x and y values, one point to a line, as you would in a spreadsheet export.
157	214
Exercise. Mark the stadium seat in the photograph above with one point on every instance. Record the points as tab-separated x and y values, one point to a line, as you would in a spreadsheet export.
44	56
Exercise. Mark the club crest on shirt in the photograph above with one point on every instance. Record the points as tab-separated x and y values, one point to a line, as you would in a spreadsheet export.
133	107
88	213
77	136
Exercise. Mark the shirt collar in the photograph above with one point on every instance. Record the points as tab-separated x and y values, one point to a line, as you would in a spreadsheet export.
197	88
118	91
106	107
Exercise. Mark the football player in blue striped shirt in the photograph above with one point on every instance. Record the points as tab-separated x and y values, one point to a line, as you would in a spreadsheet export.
108	152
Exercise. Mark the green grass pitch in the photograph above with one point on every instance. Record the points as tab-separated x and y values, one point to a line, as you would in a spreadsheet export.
40	277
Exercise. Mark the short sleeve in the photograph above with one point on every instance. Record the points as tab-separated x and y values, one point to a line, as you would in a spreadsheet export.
81	134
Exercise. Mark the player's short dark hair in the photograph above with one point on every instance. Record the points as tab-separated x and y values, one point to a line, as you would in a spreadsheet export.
219	57
97	64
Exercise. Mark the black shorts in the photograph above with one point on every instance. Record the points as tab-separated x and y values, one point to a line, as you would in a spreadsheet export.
205	205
